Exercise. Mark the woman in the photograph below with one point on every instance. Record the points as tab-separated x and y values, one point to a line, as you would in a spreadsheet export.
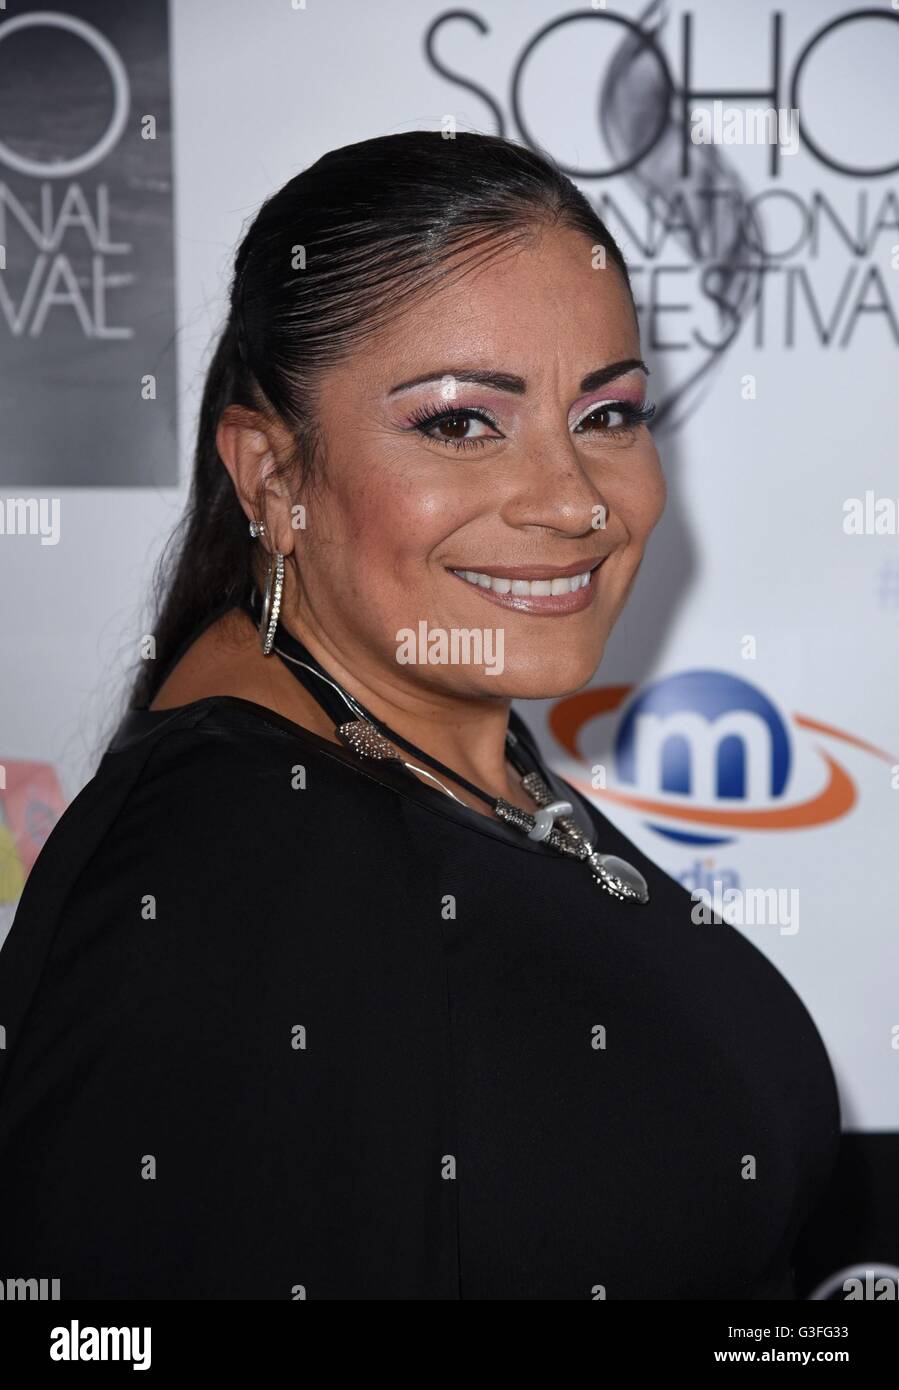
325	987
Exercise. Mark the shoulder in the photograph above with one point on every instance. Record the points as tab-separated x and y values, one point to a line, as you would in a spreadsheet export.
212	751
200	813
225	659
213	797
200	850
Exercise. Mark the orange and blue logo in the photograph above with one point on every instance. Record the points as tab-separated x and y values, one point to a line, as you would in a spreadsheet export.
706	755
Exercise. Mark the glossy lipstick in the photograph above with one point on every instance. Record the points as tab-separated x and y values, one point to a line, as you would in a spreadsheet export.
549	605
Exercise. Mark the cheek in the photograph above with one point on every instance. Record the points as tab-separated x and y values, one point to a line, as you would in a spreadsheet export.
640	498
393	522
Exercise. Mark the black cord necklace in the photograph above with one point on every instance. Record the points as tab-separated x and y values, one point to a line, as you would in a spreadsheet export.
370	737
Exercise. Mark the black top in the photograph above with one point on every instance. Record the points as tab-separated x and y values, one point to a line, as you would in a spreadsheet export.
282	1023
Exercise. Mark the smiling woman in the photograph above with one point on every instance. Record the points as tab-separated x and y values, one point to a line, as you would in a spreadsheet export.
327	986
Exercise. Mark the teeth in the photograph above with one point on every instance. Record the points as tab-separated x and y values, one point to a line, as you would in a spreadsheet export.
534	588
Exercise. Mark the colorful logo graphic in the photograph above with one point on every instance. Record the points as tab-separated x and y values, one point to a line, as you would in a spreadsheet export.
31	803
707	754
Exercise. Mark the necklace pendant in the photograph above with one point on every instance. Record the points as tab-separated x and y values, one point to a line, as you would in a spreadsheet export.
552	825
365	740
612	873
618	877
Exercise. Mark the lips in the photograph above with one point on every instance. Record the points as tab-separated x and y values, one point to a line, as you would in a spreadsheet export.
537	589
589	562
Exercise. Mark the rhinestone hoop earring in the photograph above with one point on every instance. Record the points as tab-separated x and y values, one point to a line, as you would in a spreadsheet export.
271	602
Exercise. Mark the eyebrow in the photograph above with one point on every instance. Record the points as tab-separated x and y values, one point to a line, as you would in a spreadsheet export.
504	381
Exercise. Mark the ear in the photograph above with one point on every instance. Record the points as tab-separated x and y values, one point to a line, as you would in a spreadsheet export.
251	449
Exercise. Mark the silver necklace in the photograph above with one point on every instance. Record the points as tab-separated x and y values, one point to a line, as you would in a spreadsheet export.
553	824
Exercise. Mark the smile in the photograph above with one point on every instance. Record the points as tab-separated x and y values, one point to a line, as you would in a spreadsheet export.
545	590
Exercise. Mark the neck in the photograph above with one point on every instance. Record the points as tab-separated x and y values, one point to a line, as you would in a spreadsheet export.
465	733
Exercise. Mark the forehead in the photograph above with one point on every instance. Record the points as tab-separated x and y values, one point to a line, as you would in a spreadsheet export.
543	309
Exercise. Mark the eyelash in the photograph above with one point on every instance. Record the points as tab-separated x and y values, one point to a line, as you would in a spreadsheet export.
426	417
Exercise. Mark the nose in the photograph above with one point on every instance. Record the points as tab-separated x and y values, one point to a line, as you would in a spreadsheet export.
552	490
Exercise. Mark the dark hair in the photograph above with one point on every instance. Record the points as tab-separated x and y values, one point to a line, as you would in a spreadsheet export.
329	259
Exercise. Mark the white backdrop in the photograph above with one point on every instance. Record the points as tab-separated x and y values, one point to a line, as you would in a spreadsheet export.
796	416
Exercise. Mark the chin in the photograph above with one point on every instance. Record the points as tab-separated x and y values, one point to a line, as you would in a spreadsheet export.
545	679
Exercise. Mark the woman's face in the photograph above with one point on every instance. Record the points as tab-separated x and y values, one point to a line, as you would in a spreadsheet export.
533	472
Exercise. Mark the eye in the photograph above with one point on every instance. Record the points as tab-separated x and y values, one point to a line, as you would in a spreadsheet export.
614	417
460	429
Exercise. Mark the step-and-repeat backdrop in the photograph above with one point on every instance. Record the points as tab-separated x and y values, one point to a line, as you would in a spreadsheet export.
743	724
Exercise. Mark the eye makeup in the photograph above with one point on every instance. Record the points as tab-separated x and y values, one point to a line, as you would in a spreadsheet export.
631	414
428	420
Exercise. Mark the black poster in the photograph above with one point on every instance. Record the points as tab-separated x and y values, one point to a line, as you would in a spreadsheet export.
87	303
